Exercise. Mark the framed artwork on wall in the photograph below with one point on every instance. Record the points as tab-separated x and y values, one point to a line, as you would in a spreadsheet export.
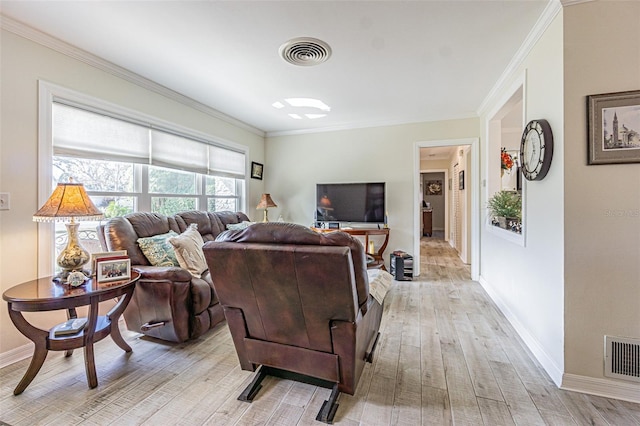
461	179
256	170
614	128
434	187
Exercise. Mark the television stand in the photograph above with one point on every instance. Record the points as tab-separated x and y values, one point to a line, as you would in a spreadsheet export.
378	260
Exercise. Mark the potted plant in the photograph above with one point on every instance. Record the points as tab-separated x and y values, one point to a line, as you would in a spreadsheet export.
504	206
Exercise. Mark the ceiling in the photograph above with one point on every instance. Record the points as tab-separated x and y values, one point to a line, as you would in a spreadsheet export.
393	62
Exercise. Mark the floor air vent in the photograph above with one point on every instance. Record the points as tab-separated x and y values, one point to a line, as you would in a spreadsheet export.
622	358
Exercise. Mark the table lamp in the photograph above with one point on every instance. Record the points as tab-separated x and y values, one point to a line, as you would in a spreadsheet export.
265	203
69	202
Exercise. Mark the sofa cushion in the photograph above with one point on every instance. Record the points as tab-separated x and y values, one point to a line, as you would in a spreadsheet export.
188	248
158	250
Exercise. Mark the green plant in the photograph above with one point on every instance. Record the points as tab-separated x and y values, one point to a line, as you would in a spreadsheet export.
506	203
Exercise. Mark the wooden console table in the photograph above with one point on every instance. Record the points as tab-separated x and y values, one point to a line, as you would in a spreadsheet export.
378	260
45	295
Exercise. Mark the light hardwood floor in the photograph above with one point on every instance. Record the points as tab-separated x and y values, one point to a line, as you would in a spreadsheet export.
446	356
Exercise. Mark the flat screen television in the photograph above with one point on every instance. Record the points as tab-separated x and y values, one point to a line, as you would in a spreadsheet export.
350	202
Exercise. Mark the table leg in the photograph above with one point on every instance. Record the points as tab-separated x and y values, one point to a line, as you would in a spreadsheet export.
37	336
114	315
89	359
71	314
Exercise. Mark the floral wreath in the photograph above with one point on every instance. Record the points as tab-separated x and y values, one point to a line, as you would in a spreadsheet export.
506	160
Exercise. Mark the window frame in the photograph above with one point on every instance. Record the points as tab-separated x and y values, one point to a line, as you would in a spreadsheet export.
49	93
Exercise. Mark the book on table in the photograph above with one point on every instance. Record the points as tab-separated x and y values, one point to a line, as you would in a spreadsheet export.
72	326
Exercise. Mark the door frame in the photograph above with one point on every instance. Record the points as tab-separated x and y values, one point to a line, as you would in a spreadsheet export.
474	186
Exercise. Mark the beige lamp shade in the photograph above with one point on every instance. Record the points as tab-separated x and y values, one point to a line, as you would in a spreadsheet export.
69	201
265	203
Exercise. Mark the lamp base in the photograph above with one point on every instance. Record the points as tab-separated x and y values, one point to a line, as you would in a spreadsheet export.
73	257
265	218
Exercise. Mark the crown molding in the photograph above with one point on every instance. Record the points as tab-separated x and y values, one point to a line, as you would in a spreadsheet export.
566	3
25	31
546	18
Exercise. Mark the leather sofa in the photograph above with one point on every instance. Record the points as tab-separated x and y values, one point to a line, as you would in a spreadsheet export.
297	304
169	303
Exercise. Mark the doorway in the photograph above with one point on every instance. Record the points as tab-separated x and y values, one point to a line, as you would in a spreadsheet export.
460	193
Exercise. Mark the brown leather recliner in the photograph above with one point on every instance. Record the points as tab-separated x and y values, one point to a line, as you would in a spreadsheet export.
297	303
168	303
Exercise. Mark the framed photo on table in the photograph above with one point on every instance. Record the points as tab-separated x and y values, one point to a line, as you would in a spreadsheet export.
115	268
96	256
614	128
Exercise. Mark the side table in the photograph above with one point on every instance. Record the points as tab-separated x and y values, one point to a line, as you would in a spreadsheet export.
43	294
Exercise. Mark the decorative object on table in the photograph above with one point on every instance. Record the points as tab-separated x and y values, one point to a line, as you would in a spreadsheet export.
115	268
76	278
72	326
96	256
256	170
265	203
506	161
536	149
461	180
614	128
505	207
68	203
434	187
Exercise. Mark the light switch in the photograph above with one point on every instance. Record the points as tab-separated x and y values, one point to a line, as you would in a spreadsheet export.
4	201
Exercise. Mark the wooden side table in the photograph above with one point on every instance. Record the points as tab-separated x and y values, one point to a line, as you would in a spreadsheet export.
378	260
43	294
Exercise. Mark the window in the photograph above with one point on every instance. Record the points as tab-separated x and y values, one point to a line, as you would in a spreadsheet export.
127	165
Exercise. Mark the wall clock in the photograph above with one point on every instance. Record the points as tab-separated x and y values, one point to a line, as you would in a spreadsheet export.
536	150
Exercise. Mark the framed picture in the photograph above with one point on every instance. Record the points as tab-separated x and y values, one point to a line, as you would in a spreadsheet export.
256	170
461	179
614	128
115	268
434	187
96	256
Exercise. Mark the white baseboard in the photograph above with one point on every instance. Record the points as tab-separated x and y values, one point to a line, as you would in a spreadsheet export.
552	369
607	388
16	354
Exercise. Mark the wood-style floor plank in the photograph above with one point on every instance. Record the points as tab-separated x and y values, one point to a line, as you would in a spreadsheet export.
446	356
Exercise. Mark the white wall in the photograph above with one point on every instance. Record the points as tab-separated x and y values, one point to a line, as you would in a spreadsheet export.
527	281
602	203
23	63
373	154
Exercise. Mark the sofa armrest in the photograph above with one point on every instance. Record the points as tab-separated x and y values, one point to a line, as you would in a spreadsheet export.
169	273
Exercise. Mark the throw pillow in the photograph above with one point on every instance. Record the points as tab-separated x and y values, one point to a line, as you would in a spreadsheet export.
158	250
238	226
188	248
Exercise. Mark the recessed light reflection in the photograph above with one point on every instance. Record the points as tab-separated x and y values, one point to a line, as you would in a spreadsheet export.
309	103
296	116
278	105
314	116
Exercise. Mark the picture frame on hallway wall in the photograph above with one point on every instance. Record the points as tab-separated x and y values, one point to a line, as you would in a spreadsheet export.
461	180
614	128
256	170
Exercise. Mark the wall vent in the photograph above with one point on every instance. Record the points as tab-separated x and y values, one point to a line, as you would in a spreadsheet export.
622	358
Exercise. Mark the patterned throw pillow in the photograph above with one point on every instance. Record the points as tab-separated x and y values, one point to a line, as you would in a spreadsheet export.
238	226
188	248
158	250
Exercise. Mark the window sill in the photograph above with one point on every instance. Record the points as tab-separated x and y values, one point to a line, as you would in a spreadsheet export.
506	235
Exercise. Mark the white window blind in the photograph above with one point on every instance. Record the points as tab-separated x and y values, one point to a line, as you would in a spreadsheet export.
80	133
86	134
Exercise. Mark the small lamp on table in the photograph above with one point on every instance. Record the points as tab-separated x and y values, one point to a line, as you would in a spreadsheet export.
68	203
265	203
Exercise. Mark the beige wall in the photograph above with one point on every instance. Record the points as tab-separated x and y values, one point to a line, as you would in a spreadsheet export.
602	203
298	162
23	63
527	281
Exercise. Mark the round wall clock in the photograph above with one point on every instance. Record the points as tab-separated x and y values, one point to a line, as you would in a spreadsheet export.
536	150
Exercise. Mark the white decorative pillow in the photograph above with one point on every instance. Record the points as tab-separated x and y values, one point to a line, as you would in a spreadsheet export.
188	248
237	226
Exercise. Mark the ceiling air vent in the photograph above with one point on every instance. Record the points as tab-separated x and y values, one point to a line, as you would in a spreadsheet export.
622	358
305	51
